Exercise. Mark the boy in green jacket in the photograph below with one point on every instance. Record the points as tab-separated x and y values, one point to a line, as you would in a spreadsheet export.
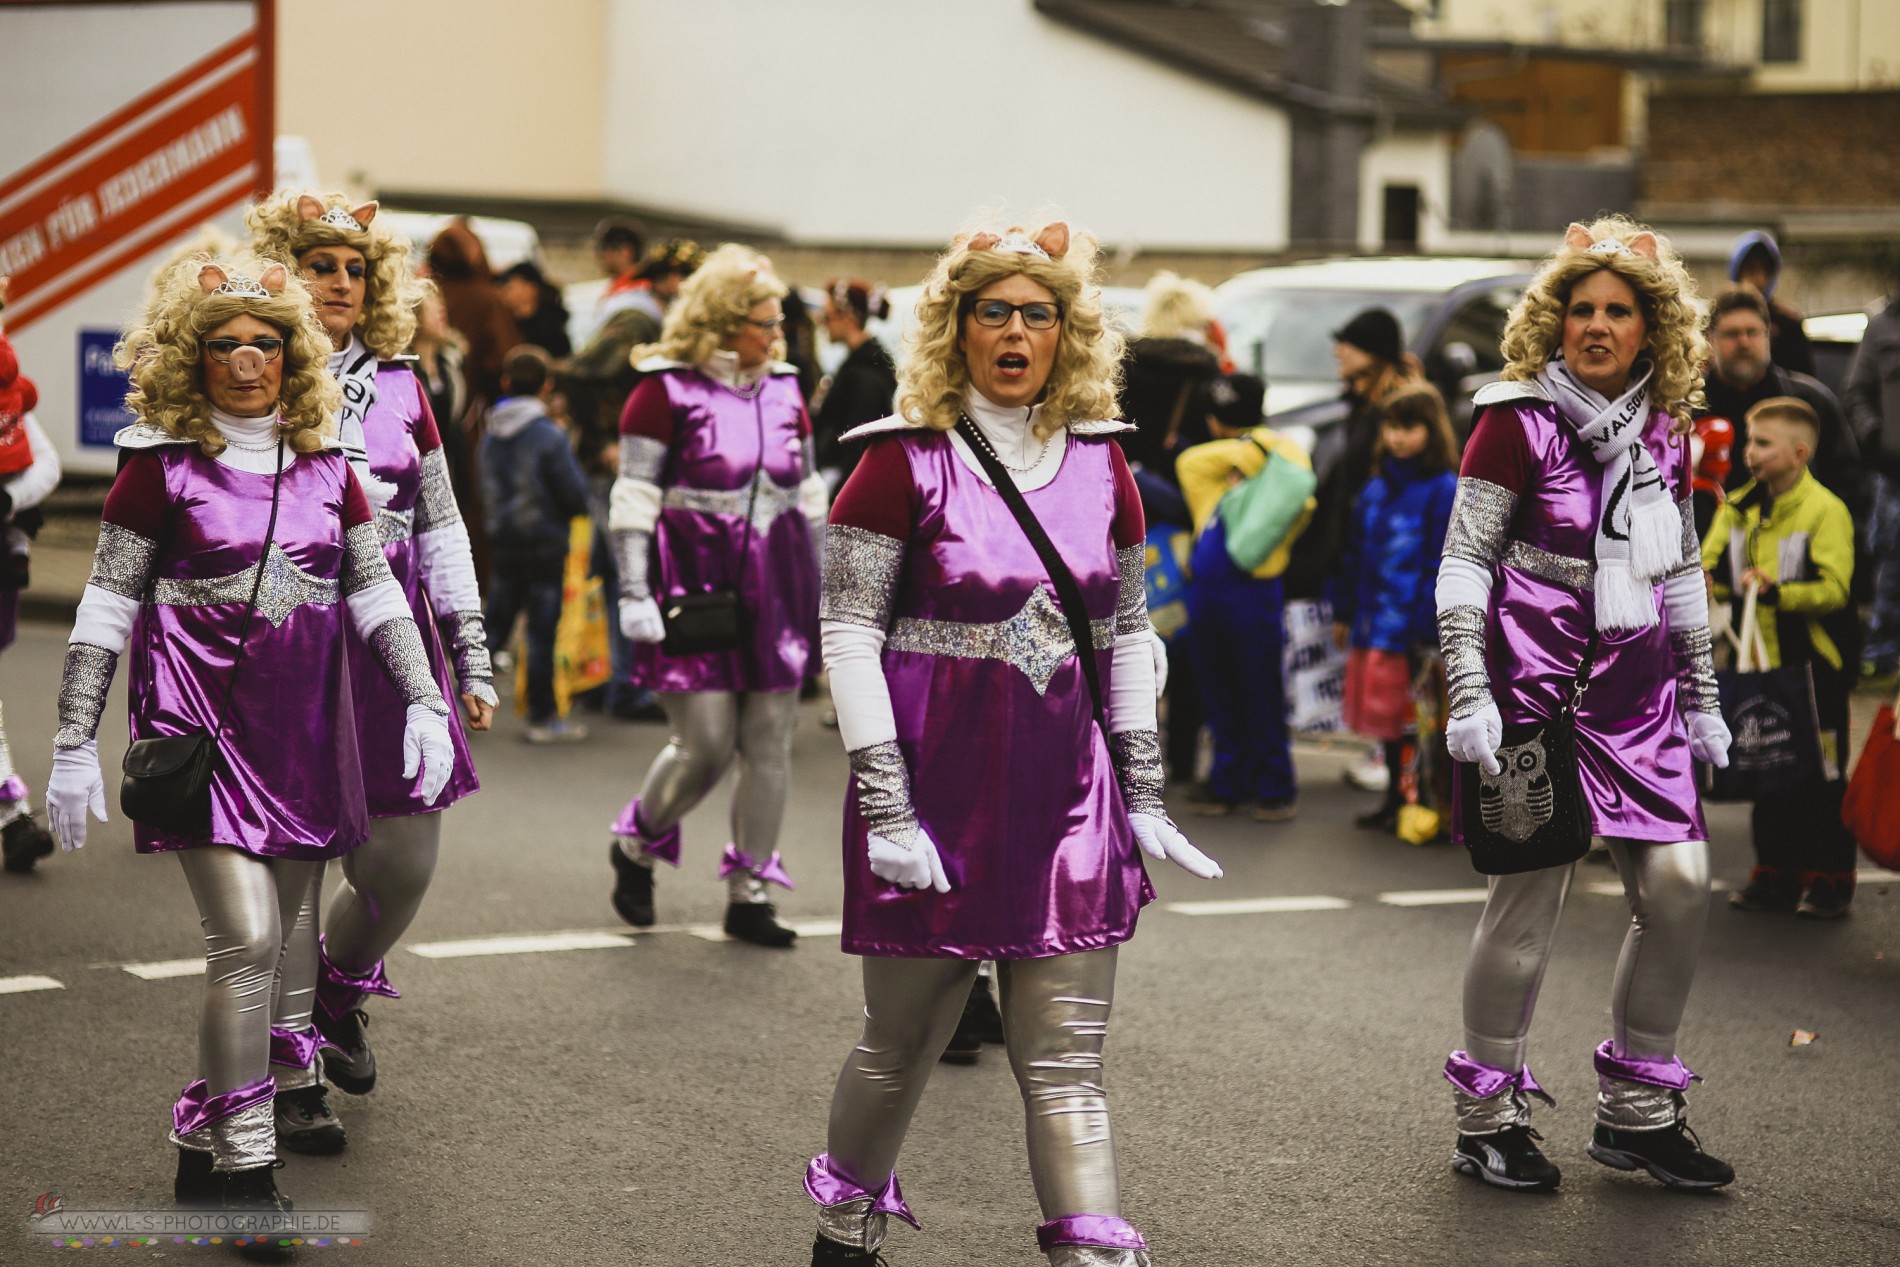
1793	540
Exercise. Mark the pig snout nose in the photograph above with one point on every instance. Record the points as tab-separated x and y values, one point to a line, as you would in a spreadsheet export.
247	363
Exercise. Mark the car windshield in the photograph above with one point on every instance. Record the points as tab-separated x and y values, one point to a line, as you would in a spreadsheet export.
1286	335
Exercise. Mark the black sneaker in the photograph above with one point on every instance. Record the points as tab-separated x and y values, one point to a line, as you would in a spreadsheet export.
826	1252
353	1068
1827	897
24	842
197	1186
757	922
306	1124
1672	1154
633	888
1508	1158
1768	889
254	1191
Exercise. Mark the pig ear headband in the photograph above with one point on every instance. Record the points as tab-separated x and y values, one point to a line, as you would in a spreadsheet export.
355	221
215	281
1050	243
1578	238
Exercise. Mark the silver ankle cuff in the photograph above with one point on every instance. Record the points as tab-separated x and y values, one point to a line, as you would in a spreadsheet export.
1492	1113
291	1078
745	889
1636	1106
853	1223
245	1140
1098	1256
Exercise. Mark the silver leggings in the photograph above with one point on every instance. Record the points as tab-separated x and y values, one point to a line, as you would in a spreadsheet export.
385	880
1667	887
1055	1014
245	905
707	729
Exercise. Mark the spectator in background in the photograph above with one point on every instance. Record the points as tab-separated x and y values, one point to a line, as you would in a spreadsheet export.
438	350
1873	406
865	383
536	305
459	264
533	488
1754	260
1164	375
619	246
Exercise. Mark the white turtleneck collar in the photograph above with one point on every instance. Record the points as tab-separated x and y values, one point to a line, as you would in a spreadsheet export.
349	352
723	367
1011	431
250	443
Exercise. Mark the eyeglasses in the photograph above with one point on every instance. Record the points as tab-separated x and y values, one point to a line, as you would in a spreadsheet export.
222	350
1037	315
771	323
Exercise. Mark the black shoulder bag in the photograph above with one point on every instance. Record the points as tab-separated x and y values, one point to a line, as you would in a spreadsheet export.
1532	814
716	619
167	781
1068	592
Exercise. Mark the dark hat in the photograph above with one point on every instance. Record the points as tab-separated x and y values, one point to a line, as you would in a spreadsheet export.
1236	399
1375	332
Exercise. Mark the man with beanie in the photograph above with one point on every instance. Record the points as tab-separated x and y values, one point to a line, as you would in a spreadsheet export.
1755	260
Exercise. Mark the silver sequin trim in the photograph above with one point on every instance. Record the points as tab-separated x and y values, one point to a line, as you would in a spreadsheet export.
1636	1106
642	458
1131	609
82	693
861	571
853	1223
1695	670
1138	768
1691	540
1480	516
1098	1256
1461	641
467	636
435	503
884	792
1035	640
633	553
291	1078
364	562
286	587
398	644
395	525
246	1139
122	563
1491	1114
773	501
1559	569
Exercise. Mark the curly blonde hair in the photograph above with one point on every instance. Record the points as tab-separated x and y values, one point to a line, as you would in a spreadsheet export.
713	303
164	352
1664	290
1175	307
1085	381
388	324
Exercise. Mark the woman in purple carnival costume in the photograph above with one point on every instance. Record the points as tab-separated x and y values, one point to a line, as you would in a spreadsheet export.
228	381
994	813
717	492
1572	529
366	296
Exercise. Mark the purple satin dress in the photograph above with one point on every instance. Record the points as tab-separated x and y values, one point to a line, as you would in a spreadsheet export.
1633	749
394	431
288	784
1009	773
701	541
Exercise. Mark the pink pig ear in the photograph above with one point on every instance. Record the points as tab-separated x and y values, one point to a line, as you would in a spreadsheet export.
309	207
1645	244
210	277
365	213
1577	237
274	278
983	241
1054	239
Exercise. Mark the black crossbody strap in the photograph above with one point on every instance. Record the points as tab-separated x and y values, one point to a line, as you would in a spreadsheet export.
1068	593
257	585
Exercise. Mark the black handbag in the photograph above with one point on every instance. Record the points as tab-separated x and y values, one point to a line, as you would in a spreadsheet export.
1532	814
715	619
1772	714
167	781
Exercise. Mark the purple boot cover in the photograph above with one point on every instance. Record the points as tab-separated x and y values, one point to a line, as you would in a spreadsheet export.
293	1057
1103	1230
339	993
849	1214
1490	1099
665	846
236	1127
1634	1094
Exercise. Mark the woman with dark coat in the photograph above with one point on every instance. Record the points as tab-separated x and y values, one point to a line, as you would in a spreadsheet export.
864	385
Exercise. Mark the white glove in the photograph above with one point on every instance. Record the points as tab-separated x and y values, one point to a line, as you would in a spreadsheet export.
640	620
1159	648
1708	739
75	787
1163	841
917	867
1476	738
426	748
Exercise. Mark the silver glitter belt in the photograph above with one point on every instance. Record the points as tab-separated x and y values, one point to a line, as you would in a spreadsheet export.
286	587
774	501
1560	569
395	525
1035	640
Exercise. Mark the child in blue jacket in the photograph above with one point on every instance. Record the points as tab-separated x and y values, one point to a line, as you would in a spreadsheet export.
1383	594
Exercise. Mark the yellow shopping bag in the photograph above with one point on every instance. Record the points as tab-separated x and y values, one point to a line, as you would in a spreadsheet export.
582	660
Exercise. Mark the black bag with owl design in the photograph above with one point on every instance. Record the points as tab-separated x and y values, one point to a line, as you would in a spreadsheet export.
1532	814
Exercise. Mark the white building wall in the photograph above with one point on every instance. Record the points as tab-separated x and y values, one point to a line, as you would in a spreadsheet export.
914	117
1406	158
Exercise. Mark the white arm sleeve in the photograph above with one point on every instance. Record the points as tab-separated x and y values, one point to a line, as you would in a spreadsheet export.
1131	691
1462	583
854	660
447	566
104	619
373	605
633	505
1686	601
814	498
30	487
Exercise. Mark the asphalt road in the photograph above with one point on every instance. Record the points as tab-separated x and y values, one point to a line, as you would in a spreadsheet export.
653	1101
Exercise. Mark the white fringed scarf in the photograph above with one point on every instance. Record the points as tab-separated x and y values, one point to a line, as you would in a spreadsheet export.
1639	538
354	369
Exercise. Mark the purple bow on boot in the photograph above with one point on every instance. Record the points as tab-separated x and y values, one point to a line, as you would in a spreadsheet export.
771	870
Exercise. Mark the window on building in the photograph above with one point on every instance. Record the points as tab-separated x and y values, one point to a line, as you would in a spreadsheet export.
1781	30
1398	221
1682	23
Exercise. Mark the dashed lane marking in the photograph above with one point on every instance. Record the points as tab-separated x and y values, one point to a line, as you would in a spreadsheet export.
164	969
470	947
22	985
1258	906
804	928
1434	897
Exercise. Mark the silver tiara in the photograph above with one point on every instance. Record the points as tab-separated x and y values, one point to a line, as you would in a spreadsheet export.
1608	246
338	218
1016	242
237	284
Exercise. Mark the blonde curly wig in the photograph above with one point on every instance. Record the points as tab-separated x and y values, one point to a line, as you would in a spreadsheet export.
164	352
388	324
1085	381
1176	307
712	305
1665	291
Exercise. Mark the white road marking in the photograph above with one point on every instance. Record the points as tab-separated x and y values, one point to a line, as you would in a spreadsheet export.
520	945
803	927
1434	897
1258	906
23	985
164	969
1878	875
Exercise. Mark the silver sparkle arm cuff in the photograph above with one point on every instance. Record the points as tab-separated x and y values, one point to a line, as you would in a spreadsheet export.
632	549
884	792
860	576
82	693
466	636
1695	670
398	645
1131	607
1138	768
1461	642
1480	522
